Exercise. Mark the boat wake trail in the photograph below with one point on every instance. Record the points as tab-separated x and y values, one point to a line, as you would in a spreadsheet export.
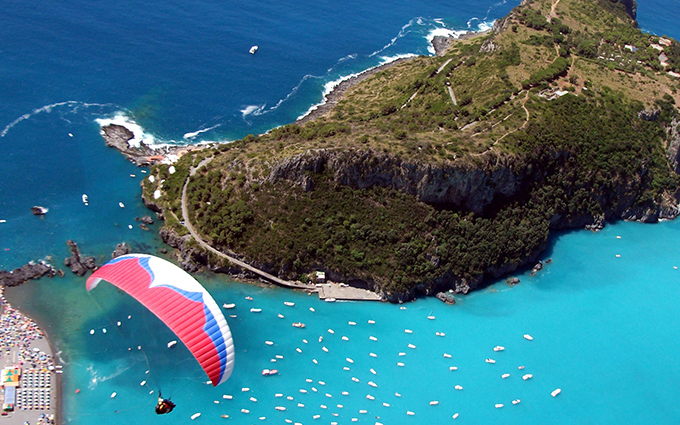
71	106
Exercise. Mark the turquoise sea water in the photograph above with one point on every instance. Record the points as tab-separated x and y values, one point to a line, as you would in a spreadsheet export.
604	327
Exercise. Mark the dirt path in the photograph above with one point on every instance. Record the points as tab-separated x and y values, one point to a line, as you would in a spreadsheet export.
490	148
453	96
197	237
552	11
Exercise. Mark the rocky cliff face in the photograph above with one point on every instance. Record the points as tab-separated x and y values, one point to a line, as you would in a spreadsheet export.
464	187
469	188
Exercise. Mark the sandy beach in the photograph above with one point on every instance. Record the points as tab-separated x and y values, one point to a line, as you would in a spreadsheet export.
24	344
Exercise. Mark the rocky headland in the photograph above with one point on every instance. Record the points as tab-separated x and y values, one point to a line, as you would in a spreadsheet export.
119	137
440	173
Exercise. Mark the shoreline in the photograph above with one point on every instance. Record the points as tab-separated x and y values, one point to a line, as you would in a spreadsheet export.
335	95
21	416
441	45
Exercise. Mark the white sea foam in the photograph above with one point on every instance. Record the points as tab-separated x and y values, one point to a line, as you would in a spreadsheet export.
72	105
331	85
140	136
193	134
402	32
480	25
255	110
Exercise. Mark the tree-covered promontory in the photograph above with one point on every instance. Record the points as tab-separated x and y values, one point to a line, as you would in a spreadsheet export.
440	171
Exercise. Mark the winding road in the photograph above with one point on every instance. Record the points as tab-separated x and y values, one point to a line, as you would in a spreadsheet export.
204	244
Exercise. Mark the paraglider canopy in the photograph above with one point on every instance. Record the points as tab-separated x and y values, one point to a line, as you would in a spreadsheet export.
180	302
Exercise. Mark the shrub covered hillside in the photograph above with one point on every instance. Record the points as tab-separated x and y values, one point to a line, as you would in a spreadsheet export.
439	171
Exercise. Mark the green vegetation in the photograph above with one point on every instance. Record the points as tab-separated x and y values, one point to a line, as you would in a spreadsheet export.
486	111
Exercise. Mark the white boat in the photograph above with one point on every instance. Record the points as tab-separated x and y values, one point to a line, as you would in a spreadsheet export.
228	306
253	50
516	401
499	405
172	343
430	317
113	394
288	303
195	415
447	355
527	376
555	392
85	201
505	375
458	387
330	300
490	361
498	348
528	337
434	403
408	331
122	205
255	310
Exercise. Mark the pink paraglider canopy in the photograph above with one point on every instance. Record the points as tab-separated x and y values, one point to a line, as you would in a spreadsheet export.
180	302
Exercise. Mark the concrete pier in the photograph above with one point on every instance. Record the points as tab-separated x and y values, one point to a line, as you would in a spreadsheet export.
342	292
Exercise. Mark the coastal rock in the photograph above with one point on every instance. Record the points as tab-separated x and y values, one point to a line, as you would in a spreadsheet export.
38	210
77	263
441	44
25	273
512	281
145	220
119	137
121	249
446	297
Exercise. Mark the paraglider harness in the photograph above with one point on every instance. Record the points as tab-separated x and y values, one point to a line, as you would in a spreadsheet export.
164	405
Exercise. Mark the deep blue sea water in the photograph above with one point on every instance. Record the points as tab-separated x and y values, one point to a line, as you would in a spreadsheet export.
604	327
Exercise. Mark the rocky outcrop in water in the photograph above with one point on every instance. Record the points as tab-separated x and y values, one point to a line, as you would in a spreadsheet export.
77	263
121	249
25	273
119	137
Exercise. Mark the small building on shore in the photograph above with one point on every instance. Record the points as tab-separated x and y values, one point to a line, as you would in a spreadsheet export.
320	277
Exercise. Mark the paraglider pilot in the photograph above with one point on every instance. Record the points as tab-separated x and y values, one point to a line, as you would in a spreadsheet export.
164	405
